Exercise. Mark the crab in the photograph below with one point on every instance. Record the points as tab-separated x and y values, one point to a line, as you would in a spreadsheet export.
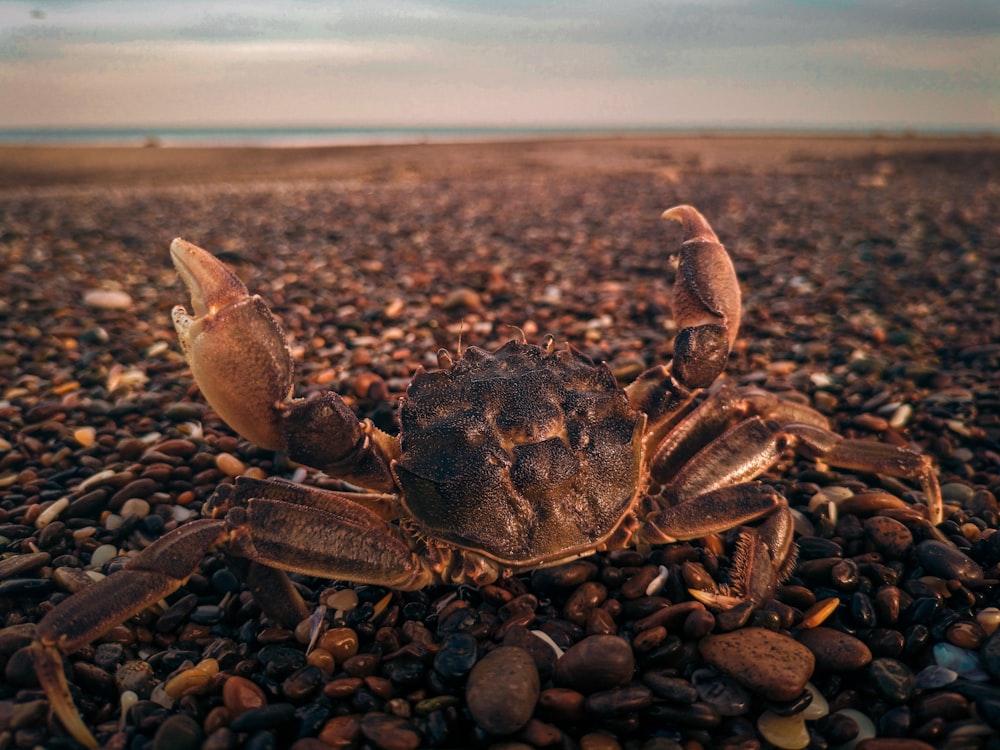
506	461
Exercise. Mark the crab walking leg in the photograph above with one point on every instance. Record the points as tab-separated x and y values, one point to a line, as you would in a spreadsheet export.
243	365
350	543
873	458
151	575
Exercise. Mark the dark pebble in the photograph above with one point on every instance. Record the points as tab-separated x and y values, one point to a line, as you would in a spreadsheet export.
619	701
834	650
457	657
502	690
941	560
598	662
669	687
179	732
265	717
389	732
892	679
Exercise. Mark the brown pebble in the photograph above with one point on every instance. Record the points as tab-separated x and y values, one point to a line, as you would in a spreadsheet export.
949	562
240	695
834	650
598	741
598	662
502	690
889	536
769	663
563	704
341	731
389	732
584	598
892	743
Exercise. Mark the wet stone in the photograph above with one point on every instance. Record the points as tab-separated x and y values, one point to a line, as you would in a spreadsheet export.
264	717
178	732
721	691
502	690
618	701
765	662
456	658
835	651
389	732
892	679
990	653
933	677
889	536
597	662
785	732
671	688
941	560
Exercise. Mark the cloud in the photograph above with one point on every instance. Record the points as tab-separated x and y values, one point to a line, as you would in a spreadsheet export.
767	62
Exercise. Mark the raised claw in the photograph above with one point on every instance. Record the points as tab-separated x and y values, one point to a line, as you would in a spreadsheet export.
235	348
706	301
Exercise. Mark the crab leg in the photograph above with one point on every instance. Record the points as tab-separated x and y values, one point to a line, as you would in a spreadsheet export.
243	365
151	575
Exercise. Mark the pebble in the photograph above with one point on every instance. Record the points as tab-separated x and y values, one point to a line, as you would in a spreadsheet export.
769	663
178	732
784	732
103	554
107	299
818	707
834	650
240	695
961	660
503	689
264	717
945	561
720	691
389	732
892	679
595	663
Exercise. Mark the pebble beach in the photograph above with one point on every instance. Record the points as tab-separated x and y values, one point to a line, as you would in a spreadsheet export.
870	270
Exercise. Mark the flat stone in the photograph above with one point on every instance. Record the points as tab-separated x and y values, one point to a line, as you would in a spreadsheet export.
835	651
771	664
503	689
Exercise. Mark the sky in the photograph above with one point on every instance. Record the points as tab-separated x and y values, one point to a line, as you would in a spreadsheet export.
904	64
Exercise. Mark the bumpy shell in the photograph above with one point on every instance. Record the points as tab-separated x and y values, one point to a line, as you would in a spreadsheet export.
522	454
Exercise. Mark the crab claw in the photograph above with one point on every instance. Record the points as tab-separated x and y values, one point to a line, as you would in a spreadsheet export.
234	346
706	301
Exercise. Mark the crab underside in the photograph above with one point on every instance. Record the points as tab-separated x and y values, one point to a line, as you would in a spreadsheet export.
506	461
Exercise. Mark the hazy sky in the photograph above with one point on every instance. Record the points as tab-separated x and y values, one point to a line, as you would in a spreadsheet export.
863	63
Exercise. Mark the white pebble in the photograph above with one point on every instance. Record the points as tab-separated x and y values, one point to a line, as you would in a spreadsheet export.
901	417
93	479
102	554
659	582
51	513
135	507
181	513
113	522
107	299
818	707
785	732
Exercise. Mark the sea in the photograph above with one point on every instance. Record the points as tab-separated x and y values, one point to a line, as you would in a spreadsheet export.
296	136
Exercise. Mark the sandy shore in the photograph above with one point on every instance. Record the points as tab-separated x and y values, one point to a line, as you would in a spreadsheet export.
43	165
870	291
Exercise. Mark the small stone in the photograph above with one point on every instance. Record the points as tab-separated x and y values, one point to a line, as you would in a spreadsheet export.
949	562
618	701
503	689
389	732
240	695
178	732
107	299
265	717
721	691
835	651
933	677
785	732
892	679
102	554
769	663
229	465
818	707
889	536
84	436
341	642
598	662
135	507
